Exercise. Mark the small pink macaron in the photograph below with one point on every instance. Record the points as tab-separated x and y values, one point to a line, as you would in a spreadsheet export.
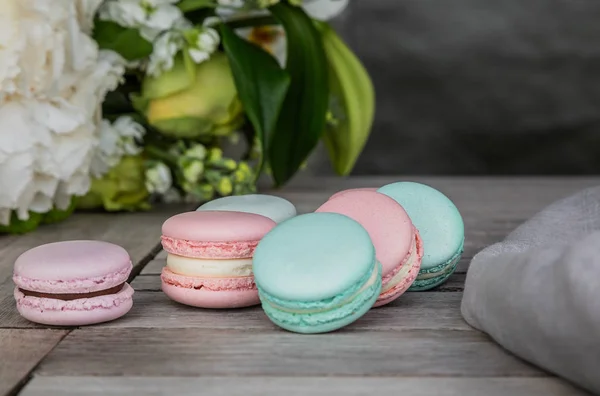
397	242
73	283
209	261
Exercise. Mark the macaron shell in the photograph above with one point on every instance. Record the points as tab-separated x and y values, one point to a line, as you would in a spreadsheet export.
210	292
72	267
276	208
344	192
434	215
428	284
398	290
202	298
388	225
82	312
215	226
313	257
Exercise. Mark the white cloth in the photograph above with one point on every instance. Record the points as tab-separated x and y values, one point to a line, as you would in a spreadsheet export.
537	293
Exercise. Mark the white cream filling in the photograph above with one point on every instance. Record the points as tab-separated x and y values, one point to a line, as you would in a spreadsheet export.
370	282
403	273
209	267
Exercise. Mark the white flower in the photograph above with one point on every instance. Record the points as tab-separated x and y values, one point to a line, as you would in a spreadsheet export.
49	101
204	42
151	17
158	179
116	140
166	46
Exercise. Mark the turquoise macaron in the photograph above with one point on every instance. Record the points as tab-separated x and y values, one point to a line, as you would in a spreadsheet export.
276	208
316	273
441	227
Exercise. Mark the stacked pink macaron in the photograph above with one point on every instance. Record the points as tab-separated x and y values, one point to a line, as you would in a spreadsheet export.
209	261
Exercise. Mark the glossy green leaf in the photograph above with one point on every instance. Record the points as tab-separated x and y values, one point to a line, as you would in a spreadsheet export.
193	5
302	119
261	84
125	41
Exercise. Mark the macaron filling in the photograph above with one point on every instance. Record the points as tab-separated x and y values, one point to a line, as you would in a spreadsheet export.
209	267
72	296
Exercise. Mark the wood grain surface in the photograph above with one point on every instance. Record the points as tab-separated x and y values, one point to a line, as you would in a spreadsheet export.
419	345
297	386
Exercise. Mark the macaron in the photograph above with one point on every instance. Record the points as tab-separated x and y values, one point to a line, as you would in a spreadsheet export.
276	208
343	192
440	225
209	260
317	273
397	242
73	283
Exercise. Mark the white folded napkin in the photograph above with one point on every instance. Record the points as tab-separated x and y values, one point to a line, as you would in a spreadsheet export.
537	293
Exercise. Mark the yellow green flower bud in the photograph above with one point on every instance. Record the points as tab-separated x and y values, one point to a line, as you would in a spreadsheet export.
192	172
191	100
224	187
122	188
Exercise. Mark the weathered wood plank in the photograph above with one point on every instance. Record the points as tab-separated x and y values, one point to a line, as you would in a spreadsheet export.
155	266
411	311
138	233
20	352
209	352
266	386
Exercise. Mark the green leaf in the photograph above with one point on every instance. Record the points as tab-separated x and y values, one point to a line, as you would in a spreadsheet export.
126	41
193	5
261	84
302	119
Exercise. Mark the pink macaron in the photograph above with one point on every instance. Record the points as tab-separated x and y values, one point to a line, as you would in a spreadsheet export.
73	283
343	192
209	260
397	242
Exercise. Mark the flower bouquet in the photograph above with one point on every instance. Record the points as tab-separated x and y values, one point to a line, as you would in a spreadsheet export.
118	104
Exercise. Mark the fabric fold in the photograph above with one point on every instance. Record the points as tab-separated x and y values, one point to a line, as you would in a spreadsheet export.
537	293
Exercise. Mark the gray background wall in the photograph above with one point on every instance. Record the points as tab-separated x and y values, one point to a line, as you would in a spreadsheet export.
479	86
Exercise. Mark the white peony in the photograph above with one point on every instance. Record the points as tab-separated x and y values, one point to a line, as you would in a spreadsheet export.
116	140
53	80
151	17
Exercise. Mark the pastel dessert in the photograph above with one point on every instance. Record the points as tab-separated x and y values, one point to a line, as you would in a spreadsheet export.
343	192
209	260
276	208
440	225
73	283
317	273
397	242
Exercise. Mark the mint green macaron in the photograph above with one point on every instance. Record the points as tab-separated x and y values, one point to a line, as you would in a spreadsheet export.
316	273
441	227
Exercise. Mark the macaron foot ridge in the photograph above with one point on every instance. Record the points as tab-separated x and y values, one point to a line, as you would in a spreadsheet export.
326	320
200	249
410	275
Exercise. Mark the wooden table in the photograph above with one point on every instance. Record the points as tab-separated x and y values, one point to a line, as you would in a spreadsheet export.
418	345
